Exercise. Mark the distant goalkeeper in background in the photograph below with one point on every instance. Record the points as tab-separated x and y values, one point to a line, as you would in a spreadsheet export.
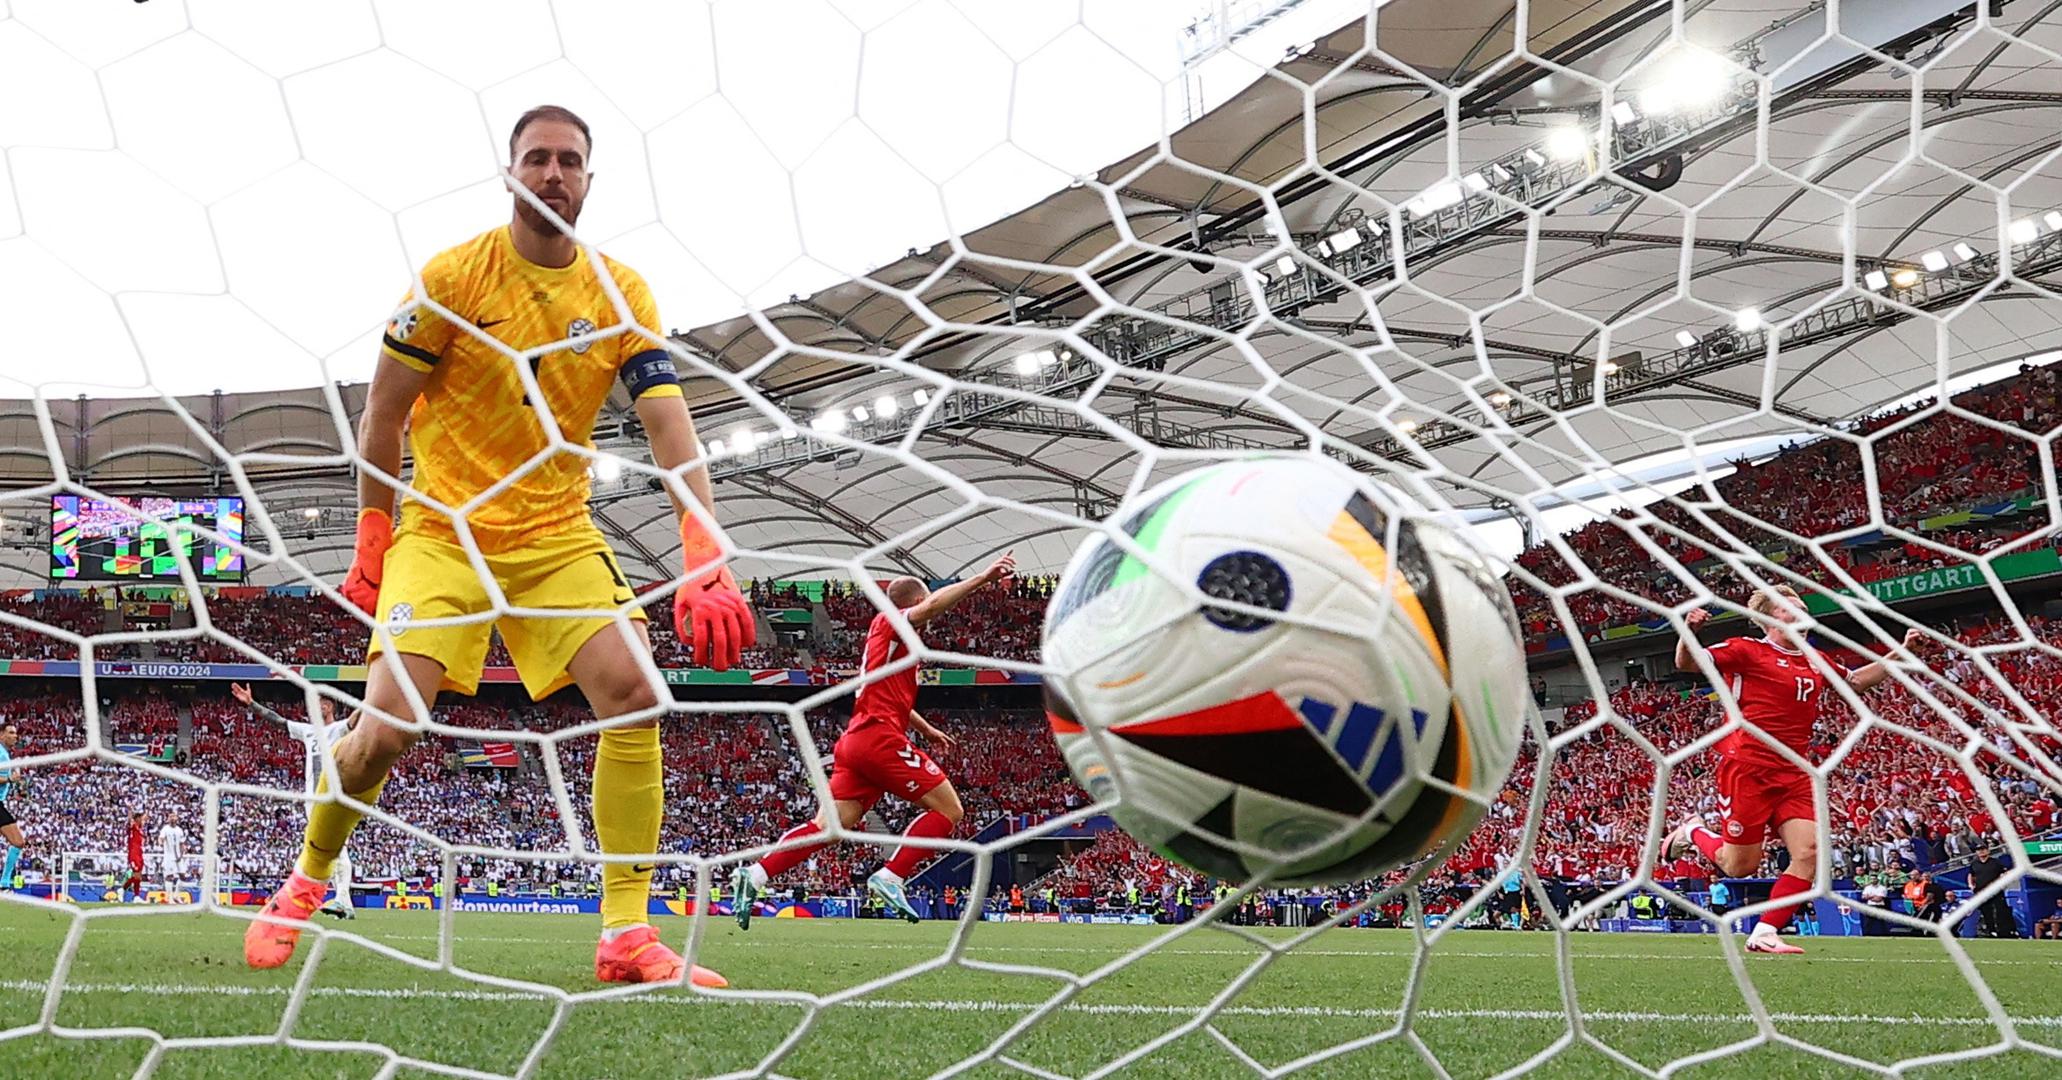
472	423
315	740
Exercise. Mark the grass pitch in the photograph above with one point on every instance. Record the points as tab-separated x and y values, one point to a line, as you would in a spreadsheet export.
1486	1002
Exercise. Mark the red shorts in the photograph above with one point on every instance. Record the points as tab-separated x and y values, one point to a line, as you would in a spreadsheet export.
1754	799
874	759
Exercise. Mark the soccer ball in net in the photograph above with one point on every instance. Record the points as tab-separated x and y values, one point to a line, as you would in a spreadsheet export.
1357	708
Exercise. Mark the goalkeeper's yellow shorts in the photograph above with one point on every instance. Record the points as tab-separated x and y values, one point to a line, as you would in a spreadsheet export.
426	577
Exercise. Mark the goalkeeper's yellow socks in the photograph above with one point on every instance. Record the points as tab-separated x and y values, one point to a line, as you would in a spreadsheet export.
329	826
629	800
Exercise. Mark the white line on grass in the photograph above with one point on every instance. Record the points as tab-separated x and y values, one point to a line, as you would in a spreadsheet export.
29	986
1436	951
979	946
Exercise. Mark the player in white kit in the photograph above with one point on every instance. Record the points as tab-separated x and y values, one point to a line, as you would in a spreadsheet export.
315	740
171	855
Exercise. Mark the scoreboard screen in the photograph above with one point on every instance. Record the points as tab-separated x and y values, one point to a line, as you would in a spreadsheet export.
95	540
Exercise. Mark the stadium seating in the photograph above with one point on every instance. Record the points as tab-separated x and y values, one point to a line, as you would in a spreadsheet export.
732	781
1894	800
1923	467
80	613
1003	623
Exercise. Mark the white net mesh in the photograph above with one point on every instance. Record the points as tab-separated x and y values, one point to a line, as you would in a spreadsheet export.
1547	260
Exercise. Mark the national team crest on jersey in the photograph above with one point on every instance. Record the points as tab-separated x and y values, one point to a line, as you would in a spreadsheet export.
575	329
1725	813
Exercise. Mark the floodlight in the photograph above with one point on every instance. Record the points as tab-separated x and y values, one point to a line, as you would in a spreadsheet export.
1567	143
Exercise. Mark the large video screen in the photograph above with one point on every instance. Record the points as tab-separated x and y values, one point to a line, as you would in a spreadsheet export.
92	540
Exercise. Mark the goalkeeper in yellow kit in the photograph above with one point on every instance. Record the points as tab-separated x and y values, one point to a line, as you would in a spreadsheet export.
472	423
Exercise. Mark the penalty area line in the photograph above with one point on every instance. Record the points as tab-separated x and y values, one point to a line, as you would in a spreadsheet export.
31	986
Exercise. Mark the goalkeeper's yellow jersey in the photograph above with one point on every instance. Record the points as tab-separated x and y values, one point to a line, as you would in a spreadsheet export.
474	424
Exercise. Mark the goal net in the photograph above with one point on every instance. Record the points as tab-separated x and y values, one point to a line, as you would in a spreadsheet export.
1664	304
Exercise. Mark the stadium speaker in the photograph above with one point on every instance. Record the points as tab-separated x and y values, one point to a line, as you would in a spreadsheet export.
1659	176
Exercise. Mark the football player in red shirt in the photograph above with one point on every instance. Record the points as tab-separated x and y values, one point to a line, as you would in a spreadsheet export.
132	886
1777	684
874	756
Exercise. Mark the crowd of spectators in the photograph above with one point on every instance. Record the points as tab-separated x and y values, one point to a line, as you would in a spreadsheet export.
298	630
146	717
290	629
79	612
1897	805
1002	622
769	653
1925	464
733	780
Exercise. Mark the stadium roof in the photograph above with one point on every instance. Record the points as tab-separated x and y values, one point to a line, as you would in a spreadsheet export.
1127	301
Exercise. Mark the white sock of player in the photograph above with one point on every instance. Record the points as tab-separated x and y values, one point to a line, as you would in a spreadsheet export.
758	875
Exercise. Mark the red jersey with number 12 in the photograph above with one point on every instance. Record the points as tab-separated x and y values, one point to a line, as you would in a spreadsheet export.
886	700
1778	690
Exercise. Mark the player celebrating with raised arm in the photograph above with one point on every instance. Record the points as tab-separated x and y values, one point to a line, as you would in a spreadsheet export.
10	829
874	756
472	424
315	740
1778	686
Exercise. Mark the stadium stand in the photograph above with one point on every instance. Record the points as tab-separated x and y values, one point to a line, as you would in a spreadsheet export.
1934	464
729	779
312	630
733	778
1000	623
80	613
1897	806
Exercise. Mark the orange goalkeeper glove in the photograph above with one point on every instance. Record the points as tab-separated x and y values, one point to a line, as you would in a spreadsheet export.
369	560
709	613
